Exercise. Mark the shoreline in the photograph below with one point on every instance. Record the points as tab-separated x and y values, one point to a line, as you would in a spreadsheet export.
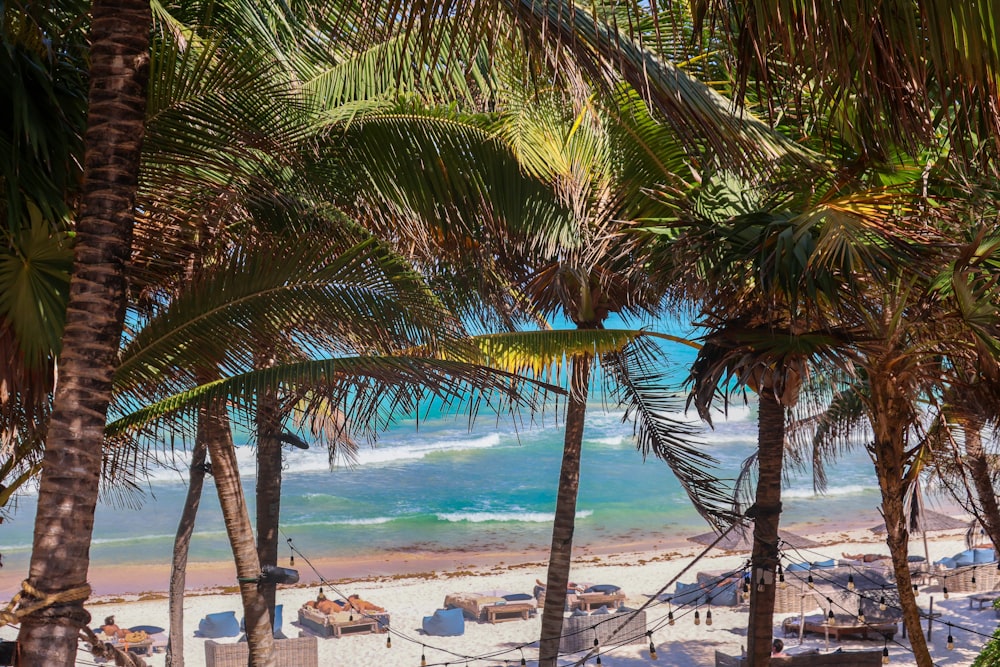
412	586
201	577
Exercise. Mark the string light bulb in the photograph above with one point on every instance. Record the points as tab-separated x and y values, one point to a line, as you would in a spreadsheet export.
388	641
810	581
697	617
746	586
781	577
670	618
861	614
708	617
832	620
916	589
944	590
652	647
599	660
423	656
760	584
885	655
850	582
951	640
973	581
597	642
881	604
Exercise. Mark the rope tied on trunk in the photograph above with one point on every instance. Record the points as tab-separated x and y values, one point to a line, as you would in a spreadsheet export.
29	600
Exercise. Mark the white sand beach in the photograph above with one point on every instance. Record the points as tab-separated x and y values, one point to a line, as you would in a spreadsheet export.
410	597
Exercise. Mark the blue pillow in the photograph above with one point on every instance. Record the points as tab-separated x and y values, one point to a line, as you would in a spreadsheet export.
825	563
516	597
445	623
220	624
602	610
603	588
983	555
946	562
688	594
797	567
964	558
579	612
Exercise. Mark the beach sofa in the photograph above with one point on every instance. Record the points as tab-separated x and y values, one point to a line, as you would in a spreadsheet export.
624	626
492	607
340	623
838	658
296	652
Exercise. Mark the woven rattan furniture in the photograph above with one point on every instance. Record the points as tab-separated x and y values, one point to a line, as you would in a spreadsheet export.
960	580
623	627
298	652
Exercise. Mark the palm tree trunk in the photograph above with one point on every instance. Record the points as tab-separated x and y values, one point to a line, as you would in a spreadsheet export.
182	543
561	551
766	513
982	481
268	488
240	531
888	448
67	495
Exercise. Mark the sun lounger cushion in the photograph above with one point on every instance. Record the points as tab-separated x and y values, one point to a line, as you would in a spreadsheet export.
603	588
445	623
220	624
983	555
797	567
825	563
964	558
517	597
946	562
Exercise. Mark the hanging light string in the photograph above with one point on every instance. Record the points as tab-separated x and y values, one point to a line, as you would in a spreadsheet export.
827	579
653	600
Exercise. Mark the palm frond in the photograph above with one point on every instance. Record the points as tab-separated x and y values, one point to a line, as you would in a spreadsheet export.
640	385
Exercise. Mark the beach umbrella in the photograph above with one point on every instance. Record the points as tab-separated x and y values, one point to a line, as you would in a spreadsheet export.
928	521
738	540
923	520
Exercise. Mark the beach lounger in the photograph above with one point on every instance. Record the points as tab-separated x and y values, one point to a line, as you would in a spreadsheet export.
340	623
601	595
492	607
836	659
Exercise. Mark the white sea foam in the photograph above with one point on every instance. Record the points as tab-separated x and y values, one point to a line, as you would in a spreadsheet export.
505	517
846	490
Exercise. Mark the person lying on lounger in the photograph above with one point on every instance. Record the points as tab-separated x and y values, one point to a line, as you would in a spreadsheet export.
358	604
111	629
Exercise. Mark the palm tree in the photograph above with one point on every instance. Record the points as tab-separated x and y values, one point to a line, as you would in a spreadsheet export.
94	318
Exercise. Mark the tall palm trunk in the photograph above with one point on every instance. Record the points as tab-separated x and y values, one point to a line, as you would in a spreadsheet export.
238	527
182	543
268	488
561	551
766	513
888	446
67	495
979	469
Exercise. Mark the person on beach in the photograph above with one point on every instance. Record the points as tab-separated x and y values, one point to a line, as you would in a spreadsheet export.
778	649
358	604
111	629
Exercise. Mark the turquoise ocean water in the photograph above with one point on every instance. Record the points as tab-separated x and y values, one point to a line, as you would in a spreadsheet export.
442	488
